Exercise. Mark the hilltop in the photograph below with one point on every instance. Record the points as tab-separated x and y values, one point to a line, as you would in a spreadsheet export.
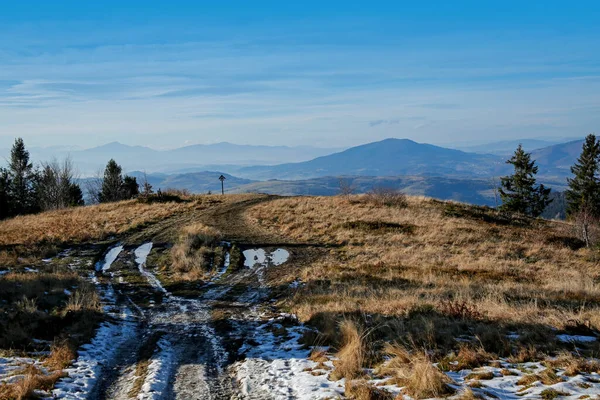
325	296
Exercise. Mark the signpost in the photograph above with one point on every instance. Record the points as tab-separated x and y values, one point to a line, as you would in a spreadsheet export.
222	179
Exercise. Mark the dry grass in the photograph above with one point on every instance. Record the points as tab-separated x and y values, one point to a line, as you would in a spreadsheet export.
352	354
458	268
81	224
197	252
35	305
467	394
61	356
415	372
85	298
33	379
573	365
362	390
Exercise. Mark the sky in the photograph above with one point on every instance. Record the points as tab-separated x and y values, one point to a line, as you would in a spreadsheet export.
321	73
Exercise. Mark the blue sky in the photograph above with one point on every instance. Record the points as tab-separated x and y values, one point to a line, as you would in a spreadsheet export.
327	73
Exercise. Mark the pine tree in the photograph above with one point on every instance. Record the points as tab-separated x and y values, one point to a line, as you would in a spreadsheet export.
519	192
5	198
584	188
75	196
131	189
22	176
112	184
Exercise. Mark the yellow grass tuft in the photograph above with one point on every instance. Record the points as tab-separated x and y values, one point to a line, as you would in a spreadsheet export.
352	354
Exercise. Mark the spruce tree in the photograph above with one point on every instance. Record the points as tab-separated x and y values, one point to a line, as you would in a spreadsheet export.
75	196
131	189
519	192
112	184
22	177
584	187
5	198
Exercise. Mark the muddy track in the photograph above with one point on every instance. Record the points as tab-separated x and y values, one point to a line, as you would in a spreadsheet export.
179	350
231	221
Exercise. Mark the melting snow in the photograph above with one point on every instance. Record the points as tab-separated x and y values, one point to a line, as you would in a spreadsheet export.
506	387
160	369
276	368
110	258
141	254
95	357
575	338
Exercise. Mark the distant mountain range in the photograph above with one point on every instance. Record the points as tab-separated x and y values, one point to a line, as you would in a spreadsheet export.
397	158
191	158
393	157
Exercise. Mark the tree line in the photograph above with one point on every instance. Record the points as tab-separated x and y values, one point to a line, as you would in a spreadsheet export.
25	189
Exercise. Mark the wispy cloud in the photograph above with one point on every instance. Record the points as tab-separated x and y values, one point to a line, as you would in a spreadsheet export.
260	88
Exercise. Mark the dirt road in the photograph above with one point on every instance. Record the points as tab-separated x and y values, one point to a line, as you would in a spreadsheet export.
185	348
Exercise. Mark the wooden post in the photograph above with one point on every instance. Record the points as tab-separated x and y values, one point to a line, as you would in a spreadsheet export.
222	179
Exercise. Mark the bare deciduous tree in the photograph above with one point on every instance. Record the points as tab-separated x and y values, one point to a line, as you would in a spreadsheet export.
346	187
56	185
146	187
495	186
93	187
586	224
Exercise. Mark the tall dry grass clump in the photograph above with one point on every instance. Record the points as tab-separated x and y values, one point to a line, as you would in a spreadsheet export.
352	354
61	356
25	387
85	298
197	252
415	372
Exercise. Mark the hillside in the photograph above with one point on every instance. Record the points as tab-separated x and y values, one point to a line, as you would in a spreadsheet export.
314	296
466	190
558	159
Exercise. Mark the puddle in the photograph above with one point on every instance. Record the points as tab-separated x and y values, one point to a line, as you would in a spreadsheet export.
262	257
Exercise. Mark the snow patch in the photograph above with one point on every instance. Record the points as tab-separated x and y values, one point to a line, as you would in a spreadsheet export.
110	258
141	254
85	371
575	338
276	368
159	372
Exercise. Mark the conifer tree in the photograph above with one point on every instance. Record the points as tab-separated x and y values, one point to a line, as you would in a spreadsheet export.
519	192
22	180
584	187
131	189
75	196
5	199
112	184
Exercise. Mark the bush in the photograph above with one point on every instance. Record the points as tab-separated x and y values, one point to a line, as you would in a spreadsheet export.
383	196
